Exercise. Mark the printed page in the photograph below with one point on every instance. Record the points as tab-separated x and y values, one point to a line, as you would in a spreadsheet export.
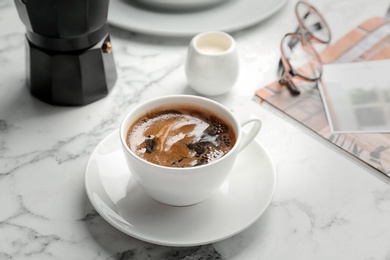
356	96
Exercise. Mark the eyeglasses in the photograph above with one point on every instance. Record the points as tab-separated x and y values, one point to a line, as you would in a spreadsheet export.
299	59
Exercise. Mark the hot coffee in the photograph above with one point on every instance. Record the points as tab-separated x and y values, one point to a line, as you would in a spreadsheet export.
183	136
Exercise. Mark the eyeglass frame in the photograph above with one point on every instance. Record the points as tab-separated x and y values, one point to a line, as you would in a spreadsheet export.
305	37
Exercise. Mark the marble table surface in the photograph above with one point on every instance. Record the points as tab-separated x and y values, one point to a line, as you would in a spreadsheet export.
325	206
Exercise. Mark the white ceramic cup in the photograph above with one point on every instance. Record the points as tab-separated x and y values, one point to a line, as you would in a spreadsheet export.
212	65
190	185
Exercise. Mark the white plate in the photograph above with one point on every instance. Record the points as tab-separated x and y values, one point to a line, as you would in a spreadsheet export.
240	201
229	16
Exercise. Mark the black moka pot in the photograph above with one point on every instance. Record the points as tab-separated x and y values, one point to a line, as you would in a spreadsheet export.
69	52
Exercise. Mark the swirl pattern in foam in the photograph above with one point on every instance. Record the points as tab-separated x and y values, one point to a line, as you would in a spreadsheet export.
183	136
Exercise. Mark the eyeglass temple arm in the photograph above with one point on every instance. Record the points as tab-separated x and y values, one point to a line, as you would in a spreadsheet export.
387	16
290	86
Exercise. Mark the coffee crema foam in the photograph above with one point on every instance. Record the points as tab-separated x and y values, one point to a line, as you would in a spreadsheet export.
181	137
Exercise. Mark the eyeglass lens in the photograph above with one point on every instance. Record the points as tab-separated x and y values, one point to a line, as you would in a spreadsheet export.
302	58
313	22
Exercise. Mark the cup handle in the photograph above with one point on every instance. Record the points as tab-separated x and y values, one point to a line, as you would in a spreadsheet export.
251	134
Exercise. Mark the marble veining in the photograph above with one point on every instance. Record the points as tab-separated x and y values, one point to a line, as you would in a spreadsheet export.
325	206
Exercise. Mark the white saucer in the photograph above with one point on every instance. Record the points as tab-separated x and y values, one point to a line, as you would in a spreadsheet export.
241	200
229	16
179	4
